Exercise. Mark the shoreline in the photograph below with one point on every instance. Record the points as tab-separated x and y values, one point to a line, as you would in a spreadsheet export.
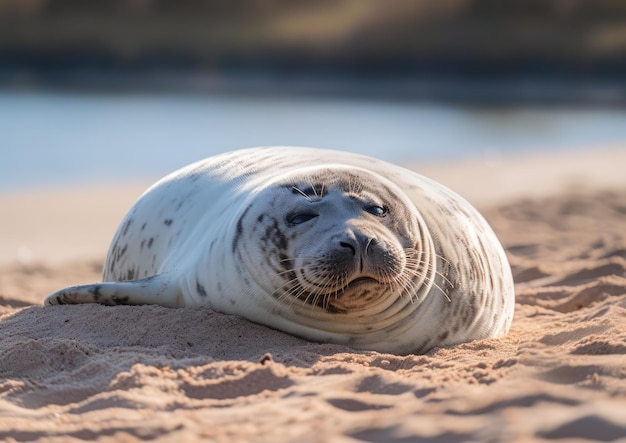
522	89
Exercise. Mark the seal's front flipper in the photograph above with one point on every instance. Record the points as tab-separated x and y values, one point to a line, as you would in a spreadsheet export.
156	290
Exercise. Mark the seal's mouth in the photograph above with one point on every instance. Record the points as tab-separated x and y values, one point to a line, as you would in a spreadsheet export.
361	281
339	291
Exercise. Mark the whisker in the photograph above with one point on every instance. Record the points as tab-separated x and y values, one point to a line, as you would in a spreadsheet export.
429	268
430	280
301	192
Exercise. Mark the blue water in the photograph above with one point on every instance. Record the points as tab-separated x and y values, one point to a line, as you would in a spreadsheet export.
51	139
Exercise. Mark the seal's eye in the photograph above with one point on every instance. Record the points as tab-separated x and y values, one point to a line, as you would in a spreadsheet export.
379	211
300	217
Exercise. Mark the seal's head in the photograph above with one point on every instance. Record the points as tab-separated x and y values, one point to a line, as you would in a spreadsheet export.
336	240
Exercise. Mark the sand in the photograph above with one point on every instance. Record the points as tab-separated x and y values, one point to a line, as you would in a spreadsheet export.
127	374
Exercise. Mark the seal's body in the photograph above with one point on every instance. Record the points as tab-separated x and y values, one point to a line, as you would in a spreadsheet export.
327	245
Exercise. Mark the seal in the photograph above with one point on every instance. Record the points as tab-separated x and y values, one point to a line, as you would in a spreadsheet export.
327	245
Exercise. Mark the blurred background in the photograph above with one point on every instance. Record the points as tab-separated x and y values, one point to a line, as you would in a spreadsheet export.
99	91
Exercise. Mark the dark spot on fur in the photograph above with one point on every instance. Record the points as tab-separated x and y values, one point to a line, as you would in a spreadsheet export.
119	300
113	261
126	226
276	237
150	241
200	289
168	222
239	230
284	259
95	291
143	226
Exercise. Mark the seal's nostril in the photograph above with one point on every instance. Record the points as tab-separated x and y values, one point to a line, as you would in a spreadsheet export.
346	245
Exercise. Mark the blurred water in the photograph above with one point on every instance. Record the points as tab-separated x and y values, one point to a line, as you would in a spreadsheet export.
50	139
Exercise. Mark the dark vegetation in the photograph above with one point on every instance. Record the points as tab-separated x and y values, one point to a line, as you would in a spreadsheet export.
569	41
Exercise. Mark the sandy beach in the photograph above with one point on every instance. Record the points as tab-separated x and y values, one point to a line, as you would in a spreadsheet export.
148	373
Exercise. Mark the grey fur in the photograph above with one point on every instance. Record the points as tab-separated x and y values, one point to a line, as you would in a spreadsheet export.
328	245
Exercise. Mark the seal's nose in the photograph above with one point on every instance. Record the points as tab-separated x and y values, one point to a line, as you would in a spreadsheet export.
349	245
356	242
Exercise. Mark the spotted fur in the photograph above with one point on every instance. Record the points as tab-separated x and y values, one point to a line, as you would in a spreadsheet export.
328	245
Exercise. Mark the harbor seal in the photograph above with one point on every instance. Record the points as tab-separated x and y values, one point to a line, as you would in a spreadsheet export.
327	245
